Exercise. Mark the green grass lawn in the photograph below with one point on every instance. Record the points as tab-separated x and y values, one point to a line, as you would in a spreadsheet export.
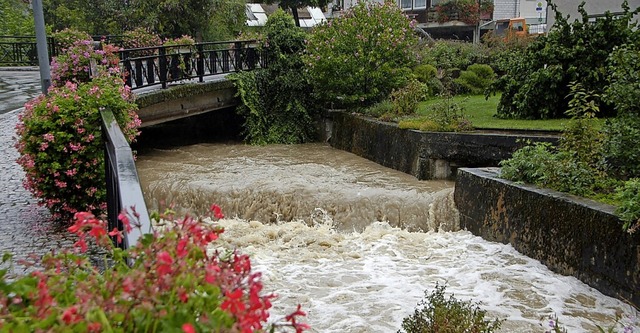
481	114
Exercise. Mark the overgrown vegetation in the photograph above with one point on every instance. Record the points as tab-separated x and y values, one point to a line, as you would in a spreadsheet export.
439	314
602	57
535	86
277	100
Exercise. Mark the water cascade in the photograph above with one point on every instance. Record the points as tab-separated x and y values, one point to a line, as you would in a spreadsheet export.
357	244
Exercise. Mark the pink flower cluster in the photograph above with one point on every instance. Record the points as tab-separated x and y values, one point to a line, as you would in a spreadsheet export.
60	146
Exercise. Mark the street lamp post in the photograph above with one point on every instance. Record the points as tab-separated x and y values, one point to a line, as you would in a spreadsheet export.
41	45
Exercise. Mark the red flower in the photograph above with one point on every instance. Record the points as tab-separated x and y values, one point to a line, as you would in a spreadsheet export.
115	232
164	263
233	302
94	327
217	211
188	328
70	315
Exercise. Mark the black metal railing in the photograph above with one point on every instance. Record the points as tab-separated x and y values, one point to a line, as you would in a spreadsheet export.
123	185
161	65
22	50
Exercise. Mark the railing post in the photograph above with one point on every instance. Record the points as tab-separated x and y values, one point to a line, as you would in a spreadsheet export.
127	67
151	77
200	62
163	66
139	76
237	47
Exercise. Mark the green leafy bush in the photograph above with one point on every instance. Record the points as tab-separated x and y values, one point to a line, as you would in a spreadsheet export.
60	146
437	313
629	210
475	79
405	100
623	131
359	58
428	75
576	165
445	55
277	101
173	280
379	109
536	84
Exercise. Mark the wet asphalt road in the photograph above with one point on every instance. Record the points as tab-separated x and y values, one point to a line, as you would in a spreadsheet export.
26	230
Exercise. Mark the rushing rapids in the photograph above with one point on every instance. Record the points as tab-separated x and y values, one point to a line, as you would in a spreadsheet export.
357	244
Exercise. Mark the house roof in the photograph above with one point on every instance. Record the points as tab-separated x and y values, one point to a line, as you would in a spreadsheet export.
257	15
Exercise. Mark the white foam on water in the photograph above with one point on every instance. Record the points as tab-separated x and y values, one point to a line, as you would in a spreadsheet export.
369	281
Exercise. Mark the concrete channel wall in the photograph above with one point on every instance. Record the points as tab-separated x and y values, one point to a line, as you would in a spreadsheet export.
425	155
570	235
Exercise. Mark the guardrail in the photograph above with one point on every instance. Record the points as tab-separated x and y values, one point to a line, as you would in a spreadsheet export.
22	51
161	65
123	185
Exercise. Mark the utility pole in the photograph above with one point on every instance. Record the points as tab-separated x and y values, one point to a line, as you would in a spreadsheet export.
41	45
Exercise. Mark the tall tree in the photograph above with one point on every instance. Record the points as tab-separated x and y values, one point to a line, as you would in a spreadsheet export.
15	18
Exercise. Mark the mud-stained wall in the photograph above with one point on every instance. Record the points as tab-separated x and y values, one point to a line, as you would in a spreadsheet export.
425	155
571	235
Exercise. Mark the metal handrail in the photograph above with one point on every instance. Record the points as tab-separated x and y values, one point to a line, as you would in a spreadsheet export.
123	185
161	65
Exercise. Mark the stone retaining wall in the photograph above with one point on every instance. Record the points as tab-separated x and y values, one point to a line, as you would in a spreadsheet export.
569	234
425	155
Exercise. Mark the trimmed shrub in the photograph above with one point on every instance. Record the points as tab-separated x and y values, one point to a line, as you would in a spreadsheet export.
428	75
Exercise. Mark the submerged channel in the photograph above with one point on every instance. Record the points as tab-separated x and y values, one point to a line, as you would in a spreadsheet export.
357	244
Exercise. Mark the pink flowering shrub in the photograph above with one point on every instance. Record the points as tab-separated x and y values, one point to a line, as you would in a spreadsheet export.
359	58
140	37
60	145
67	37
171	281
75	64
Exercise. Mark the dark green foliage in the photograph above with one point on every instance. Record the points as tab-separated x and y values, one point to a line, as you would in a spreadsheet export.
535	85
576	165
629	210
621	146
405	100
379	109
452	54
428	75
439	314
17	18
475	79
203	19
357	59
623	132
276	101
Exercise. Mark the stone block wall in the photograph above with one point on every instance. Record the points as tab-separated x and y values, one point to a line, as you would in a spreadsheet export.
570	235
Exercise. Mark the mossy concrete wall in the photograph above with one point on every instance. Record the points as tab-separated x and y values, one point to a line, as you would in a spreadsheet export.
163	105
570	235
425	155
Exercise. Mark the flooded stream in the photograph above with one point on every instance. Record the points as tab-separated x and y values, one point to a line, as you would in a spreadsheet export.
357	244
